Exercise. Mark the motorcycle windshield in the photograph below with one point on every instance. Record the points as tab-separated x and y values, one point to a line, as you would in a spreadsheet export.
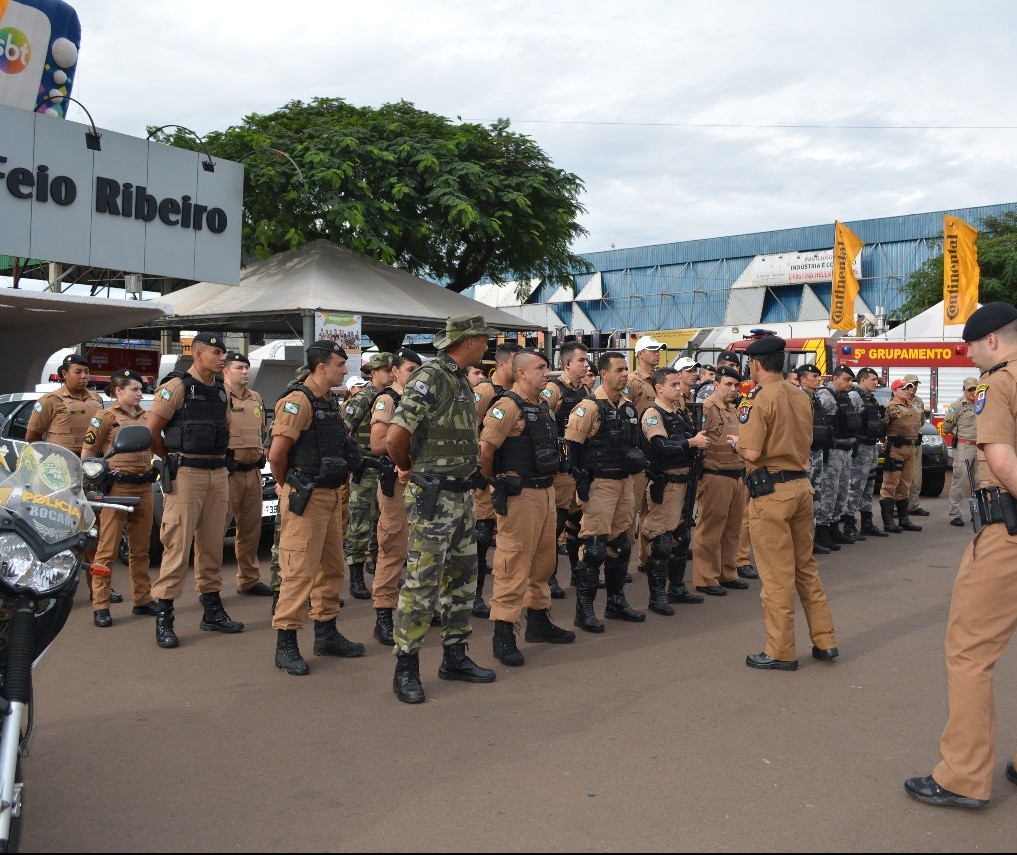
44	491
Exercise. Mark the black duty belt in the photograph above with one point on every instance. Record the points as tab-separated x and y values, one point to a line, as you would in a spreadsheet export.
990	505
203	462
542	482
673	478
727	473
609	474
781	477
900	440
249	467
455	485
129	478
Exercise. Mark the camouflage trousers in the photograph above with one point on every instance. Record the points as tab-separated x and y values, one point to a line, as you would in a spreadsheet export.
833	486
362	535
863	480
816	464
441	571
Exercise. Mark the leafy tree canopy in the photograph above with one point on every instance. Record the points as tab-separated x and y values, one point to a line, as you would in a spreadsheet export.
450	202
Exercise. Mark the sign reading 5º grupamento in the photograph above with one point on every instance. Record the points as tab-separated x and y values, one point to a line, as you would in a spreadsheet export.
133	205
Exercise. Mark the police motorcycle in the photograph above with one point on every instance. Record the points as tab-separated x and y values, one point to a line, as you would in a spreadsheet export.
47	521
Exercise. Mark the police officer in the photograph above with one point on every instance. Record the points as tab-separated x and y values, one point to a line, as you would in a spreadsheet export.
983	612
960	421
728	358
670	438
246	419
562	394
603	445
866	456
902	435
434	434
393	529
641	392
311	457
915	490
131	475
361	538
484	394
776	432
520	454
809	377
190	432
833	486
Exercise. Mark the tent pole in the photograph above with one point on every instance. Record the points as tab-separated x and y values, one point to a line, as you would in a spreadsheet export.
308	318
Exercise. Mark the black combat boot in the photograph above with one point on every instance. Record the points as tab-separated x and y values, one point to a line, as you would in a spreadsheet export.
886	510
456	665
215	618
328	641
869	527
164	634
823	538
851	528
369	565
656	578
617	607
572	548
383	628
903	520
406	683
504	644
676	590
358	590
817	548
586	593
485	538
837	536
556	590
287	654
540	628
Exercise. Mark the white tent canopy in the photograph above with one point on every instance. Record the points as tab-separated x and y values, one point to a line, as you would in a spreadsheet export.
927	325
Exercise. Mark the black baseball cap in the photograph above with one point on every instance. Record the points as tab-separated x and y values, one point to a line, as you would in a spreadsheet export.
237	356
212	339
809	368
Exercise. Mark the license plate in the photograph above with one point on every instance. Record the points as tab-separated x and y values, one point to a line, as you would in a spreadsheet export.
270	508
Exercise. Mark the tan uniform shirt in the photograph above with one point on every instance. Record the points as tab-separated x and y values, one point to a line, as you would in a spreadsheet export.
719	422
778	423
503	421
903	421
293	413
653	425
553	394
640	390
483	394
996	408
960	420
384	408
103	428
245	417
63	418
169	399
584	421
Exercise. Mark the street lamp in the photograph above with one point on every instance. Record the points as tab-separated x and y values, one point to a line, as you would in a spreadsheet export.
91	139
278	153
209	164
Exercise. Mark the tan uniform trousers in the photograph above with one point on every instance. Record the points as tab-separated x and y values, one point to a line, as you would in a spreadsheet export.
393	539
960	486
780	526
565	492
482	502
194	512
718	529
915	490
526	555
344	499
311	563
744	541
609	511
980	626
897	484
139	532
658	519
245	508
639	504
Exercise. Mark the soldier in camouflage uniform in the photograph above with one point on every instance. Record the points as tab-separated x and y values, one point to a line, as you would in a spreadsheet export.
866	457
833	485
433	433
822	439
362	538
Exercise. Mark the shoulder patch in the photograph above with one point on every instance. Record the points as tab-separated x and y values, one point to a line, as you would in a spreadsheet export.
38	406
350	410
165	394
580	411
95	422
380	405
547	393
291	407
90	438
652	420
497	413
744	410
476	397
980	393
421	387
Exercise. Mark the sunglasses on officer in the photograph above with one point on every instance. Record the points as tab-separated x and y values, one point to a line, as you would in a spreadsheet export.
908	386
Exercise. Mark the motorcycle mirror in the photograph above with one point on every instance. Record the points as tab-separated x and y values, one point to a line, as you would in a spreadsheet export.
130	438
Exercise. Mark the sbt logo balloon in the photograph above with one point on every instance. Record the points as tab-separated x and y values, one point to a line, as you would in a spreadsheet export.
14	50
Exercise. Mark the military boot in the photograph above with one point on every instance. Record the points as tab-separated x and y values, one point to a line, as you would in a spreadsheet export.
480	608
214	618
656	578
851	528
164	634
504	644
383	629
370	564
406	682
572	548
456	665
586	593
328	641
617	607
676	590
886	510
903	520
540	628
556	590
358	590
817	548
824	539
287	654
869	527
837	536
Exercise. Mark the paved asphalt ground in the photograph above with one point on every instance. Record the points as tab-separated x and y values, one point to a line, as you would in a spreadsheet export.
651	736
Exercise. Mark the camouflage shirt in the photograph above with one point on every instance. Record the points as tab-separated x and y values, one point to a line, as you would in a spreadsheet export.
439	411
357	415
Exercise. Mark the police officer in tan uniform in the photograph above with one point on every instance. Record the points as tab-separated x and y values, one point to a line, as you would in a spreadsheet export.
603	445
960	421
245	416
902	435
915	490
311	456
983	611
721	495
520	455
641	392
775	437
189	431
131	474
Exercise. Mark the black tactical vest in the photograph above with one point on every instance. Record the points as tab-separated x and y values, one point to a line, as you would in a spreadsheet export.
199	426
678	426
873	422
822	427
535	453
619	430
846	421
569	398
326	437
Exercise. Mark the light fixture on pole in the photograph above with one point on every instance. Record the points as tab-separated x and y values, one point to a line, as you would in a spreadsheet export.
278	153
91	139
209	164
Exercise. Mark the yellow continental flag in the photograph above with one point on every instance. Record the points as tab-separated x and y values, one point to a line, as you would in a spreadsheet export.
960	271
846	246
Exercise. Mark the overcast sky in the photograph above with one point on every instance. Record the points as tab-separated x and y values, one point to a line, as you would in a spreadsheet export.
627	95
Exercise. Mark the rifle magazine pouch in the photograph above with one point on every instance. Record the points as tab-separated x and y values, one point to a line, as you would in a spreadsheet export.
548	460
760	483
332	473
634	460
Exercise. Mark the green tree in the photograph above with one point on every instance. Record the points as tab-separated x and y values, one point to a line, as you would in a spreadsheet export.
997	265
450	202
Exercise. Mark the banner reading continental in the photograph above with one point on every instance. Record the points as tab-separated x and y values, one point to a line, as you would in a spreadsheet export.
960	271
846	247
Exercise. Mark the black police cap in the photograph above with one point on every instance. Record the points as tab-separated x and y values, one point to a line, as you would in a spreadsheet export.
866	372
212	339
237	356
407	354
729	356
727	371
75	359
327	346
127	374
766	344
808	368
987	320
